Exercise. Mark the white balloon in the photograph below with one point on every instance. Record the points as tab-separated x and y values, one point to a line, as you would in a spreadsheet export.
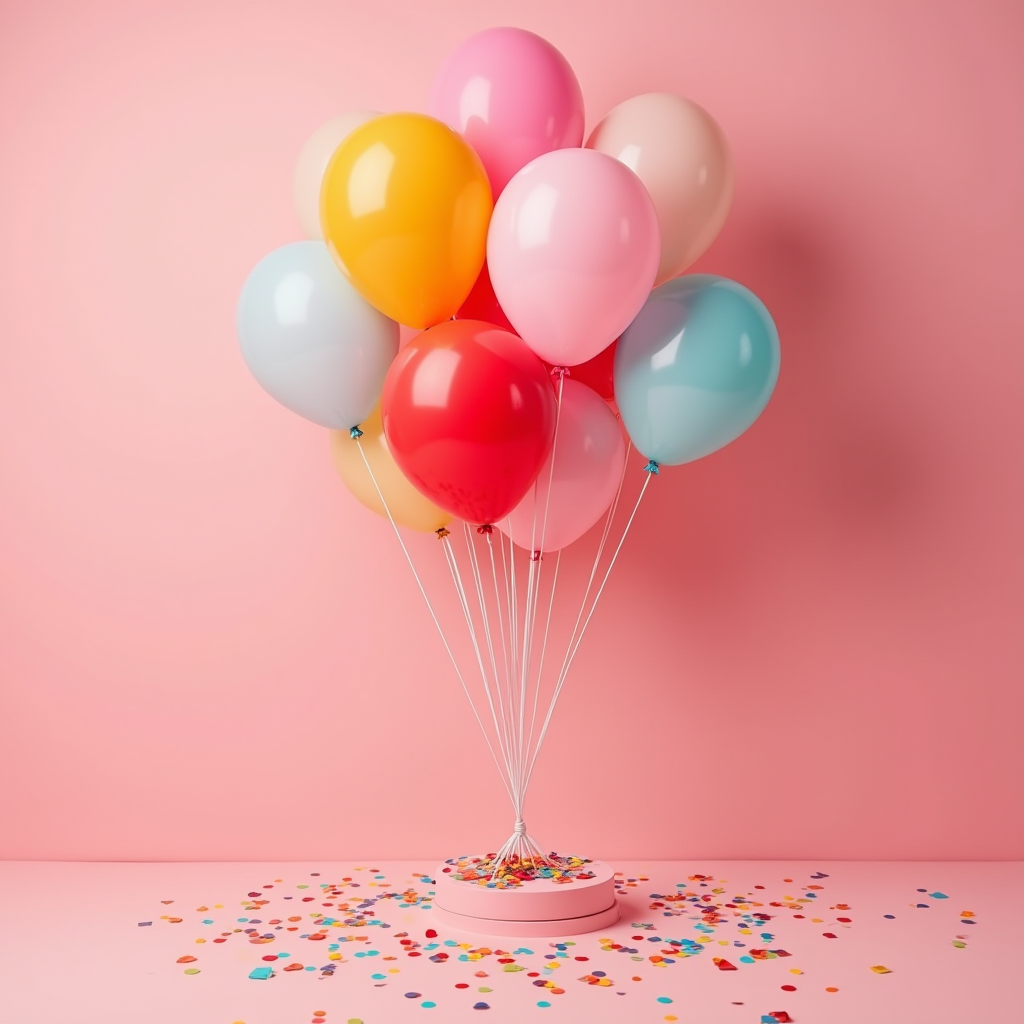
313	160
311	340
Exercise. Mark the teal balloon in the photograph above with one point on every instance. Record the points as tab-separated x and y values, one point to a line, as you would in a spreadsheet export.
695	368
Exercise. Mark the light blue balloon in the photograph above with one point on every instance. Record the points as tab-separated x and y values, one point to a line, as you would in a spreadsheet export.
695	368
311	340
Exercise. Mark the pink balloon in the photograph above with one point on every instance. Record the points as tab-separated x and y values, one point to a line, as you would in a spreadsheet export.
573	249
513	96
589	454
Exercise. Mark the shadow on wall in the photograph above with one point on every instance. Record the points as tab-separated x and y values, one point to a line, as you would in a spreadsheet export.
835	465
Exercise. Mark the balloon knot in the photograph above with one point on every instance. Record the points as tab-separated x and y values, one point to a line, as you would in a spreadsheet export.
355	433
560	371
535	557
442	533
486	528
652	467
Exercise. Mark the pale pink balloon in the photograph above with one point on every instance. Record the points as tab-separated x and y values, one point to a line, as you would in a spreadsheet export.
513	96
680	153
589	454
572	251
313	159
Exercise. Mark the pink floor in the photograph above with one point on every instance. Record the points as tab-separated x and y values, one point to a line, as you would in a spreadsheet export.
74	948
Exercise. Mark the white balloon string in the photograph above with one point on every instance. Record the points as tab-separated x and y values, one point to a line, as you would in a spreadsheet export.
605	533
509	747
498	613
543	651
460	589
572	653
430	608
533	591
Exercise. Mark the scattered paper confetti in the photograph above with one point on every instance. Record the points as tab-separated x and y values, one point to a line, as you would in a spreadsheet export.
316	927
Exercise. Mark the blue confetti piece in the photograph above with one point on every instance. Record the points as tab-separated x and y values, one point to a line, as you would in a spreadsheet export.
938	896
261	973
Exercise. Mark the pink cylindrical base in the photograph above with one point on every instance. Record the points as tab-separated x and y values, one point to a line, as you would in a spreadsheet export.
540	907
526	929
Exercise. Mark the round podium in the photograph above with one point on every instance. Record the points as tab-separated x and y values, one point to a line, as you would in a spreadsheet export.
536	908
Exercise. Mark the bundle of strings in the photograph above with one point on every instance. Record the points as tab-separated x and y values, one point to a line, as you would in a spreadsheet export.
502	628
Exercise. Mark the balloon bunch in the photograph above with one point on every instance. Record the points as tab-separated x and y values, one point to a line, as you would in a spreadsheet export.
526	260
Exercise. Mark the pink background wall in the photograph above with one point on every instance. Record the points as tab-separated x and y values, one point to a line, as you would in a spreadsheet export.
813	647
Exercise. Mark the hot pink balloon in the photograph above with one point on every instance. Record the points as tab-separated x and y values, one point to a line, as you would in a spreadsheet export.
513	96
572	250
589	454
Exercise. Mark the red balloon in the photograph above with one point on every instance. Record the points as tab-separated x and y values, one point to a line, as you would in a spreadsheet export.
482	304
469	416
598	373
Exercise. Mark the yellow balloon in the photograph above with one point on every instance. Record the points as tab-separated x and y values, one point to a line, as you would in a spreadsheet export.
404	207
407	505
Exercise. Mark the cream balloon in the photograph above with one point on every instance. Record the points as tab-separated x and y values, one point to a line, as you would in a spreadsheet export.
407	506
312	162
677	149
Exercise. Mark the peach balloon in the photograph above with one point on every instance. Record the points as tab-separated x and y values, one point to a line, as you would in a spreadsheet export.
313	159
407	506
677	149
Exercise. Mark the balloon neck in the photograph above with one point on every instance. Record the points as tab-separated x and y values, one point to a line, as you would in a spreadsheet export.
560	372
442	533
486	528
652	467
355	433
535	557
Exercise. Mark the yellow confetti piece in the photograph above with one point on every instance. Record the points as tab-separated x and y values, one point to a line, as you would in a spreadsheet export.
879	969
191	970
795	970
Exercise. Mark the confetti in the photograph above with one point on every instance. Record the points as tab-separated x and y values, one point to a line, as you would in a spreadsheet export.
351	921
483	870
